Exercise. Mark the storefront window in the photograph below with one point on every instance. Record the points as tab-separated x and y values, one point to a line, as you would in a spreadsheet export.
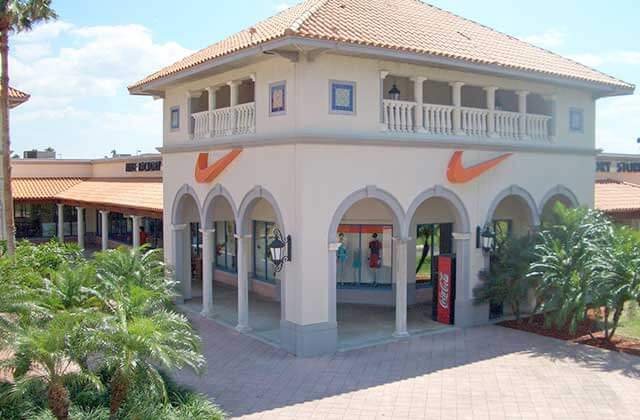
365	255
196	240
35	220
432	240
70	226
153	231
262	266
120	228
225	246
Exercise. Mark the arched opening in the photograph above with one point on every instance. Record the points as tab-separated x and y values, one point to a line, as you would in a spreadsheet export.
261	299
438	228
557	195
513	215
187	245
220	262
366	268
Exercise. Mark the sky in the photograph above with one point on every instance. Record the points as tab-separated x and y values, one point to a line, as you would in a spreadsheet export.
78	67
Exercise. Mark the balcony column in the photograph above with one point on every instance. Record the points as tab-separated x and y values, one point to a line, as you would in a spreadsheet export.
80	227
384	118
61	223
400	274
208	250
137	222
418	97
456	99
191	123
553	123
491	106
104	223
234	98
212	92
244	245
522	110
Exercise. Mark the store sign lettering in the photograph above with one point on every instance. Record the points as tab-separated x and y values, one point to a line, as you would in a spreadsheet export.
152	166
608	166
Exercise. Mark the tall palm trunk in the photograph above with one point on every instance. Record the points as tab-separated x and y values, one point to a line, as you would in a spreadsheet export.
119	389
58	400
6	143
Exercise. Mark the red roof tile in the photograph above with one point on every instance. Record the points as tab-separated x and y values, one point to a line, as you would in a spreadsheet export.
40	188
405	25
617	196
17	97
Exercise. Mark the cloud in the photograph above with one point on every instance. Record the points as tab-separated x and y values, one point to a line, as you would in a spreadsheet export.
607	58
282	6
618	125
77	77
551	38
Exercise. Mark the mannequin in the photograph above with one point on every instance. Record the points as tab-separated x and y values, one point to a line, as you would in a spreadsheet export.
342	253
375	260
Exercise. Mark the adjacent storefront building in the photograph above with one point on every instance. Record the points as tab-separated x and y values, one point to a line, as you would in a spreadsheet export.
618	187
99	203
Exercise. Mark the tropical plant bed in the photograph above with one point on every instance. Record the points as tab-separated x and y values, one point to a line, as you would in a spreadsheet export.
536	324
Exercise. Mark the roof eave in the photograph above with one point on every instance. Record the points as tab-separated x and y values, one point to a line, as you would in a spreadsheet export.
600	89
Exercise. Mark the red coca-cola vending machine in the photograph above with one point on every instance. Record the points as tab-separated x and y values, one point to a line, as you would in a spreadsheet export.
444	289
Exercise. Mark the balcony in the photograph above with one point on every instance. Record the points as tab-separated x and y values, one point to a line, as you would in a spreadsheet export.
226	110
453	109
235	120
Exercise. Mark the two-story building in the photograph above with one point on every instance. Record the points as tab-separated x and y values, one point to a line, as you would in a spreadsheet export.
383	136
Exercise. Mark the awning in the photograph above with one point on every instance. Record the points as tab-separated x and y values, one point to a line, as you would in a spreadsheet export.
138	197
40	189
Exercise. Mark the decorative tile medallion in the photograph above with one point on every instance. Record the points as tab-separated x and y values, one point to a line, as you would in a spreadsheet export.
342	97
277	98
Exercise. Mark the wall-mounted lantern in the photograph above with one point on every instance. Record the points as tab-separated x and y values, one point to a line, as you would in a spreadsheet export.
485	238
279	255
394	93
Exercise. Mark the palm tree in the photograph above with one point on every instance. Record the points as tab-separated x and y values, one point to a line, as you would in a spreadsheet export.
48	353
139	333
15	16
568	280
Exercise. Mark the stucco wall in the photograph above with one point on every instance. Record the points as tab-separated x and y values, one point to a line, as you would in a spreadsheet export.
309	182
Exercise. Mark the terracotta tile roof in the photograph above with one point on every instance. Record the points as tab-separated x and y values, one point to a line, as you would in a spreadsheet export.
405	25
41	188
141	195
17	97
617	196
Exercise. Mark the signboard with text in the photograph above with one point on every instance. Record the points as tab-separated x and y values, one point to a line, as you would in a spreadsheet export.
617	166
150	166
445	290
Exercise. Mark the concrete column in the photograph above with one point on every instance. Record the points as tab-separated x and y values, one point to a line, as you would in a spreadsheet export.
137	222
553	123
491	106
61	223
234	89
383	116
80	211
400	271
522	110
244	245
104	223
418	93
181	260
212	91
456	98
208	250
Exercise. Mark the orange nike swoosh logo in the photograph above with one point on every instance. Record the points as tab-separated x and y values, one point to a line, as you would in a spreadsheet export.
207	173
458	174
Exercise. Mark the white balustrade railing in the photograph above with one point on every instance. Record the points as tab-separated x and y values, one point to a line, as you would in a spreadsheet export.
398	116
240	119
474	121
245	118
438	119
507	124
201	124
537	126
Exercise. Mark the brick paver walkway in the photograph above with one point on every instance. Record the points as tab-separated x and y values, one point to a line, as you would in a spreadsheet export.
479	373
